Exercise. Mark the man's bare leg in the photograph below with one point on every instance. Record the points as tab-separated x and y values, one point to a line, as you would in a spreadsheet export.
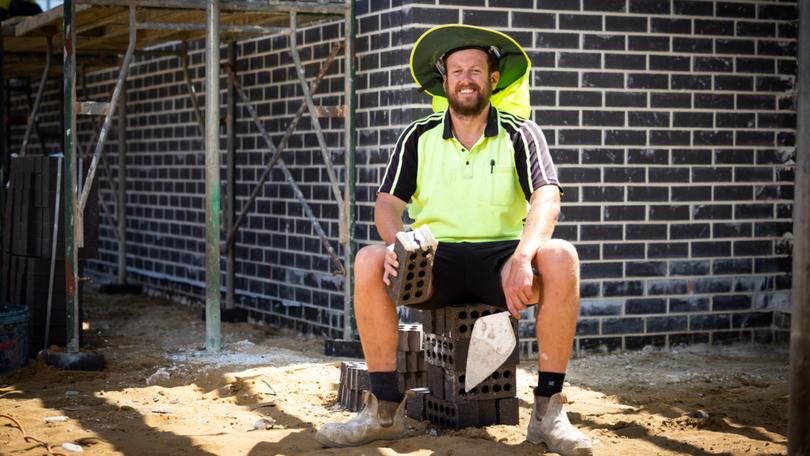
556	321
376	314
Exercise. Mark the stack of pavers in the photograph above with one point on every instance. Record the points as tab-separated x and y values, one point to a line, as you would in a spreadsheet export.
444	402
27	245
410	367
411	358
353	381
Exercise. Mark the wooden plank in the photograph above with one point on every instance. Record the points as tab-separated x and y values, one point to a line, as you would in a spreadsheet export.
317	7
52	17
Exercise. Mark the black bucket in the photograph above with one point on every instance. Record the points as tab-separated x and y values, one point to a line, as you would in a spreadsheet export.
13	337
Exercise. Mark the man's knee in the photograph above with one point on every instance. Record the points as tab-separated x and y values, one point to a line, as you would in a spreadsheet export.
368	263
560	257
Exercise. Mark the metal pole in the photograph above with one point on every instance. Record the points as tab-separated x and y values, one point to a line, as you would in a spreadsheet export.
121	197
69	175
3	148
212	197
349	325
299	67
192	92
102	136
230	197
799	420
35	109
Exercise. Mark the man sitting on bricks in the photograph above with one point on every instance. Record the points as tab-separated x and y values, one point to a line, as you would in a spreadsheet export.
480	175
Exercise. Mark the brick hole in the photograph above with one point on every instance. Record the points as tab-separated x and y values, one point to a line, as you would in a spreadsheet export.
450	345
462	329
507	387
412	256
444	358
421	273
462	315
474	314
418	294
485	313
453	412
495	375
474	390
450	358
409	276
461	379
423	263
484	389
420	283
406	296
408	286
496	389
507	374
411	267
461	392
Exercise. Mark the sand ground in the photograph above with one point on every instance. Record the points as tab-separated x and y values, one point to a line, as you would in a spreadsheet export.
696	400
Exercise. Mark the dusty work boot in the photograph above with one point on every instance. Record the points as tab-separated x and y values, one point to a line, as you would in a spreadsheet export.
549	425
379	420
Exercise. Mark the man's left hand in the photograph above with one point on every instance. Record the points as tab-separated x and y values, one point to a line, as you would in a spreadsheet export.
517	287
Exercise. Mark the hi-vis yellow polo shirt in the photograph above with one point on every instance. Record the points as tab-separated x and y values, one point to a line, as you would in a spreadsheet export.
474	195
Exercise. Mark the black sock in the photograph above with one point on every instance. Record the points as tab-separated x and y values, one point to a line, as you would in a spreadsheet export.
385	386
549	384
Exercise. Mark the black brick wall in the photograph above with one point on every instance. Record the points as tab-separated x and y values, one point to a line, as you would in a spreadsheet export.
672	124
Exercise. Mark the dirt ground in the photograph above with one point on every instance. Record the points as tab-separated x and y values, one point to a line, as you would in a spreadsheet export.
696	400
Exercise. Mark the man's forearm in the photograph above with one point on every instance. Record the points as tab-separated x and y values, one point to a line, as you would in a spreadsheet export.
540	221
388	217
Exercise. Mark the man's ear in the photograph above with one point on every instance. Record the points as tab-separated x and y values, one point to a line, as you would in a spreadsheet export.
494	77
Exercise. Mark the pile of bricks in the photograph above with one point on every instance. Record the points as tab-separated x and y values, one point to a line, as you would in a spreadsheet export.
27	245
353	381
411	371
444	402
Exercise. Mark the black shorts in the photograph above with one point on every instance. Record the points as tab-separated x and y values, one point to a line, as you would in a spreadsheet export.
468	273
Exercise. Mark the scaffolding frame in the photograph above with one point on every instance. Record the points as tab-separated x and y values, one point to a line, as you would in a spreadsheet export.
164	21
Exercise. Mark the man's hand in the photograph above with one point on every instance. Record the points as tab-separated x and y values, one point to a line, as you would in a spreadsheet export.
391	264
518	286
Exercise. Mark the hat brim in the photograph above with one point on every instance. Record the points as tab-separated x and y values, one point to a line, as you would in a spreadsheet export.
439	40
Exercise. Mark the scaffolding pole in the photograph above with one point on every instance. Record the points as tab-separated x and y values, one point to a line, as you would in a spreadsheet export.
121	197
230	168
212	178
350	173
69	175
799	420
3	145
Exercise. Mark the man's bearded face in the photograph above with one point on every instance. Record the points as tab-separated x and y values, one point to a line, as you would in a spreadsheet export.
468	82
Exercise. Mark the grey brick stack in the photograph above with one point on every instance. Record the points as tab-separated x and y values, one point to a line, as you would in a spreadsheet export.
445	402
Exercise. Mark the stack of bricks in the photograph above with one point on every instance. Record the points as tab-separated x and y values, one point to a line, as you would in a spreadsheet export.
444	402
353	381
411	358
28	242
354	378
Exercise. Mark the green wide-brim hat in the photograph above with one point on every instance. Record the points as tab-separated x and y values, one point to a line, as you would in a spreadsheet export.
436	42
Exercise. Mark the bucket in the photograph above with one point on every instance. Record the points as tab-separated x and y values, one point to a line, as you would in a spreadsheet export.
13	337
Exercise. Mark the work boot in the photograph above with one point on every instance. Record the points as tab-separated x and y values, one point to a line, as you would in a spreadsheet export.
549	425
379	420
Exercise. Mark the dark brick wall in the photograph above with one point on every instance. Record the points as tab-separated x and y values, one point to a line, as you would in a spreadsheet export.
672	124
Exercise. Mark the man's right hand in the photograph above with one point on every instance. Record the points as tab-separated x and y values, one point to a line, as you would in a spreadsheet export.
391	264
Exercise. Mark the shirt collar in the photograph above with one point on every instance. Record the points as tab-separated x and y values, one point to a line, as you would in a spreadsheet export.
490	130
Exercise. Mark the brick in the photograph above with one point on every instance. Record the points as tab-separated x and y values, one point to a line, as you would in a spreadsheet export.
670	25
713	27
623	213
415	267
533	20
486	18
580	21
415	405
603	118
648	43
500	384
604	42
507	410
647	81
605	80
763	29
579	60
557	40
670	63
625	61
625	23
645	269
451	415
648	118
693	7
626	99
649	6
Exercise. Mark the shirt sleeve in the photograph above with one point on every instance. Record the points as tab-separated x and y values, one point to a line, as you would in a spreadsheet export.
400	174
533	160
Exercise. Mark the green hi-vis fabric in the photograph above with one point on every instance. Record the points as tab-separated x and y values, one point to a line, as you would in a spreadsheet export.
511	94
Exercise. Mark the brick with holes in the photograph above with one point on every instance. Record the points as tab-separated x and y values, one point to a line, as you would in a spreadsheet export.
415	251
